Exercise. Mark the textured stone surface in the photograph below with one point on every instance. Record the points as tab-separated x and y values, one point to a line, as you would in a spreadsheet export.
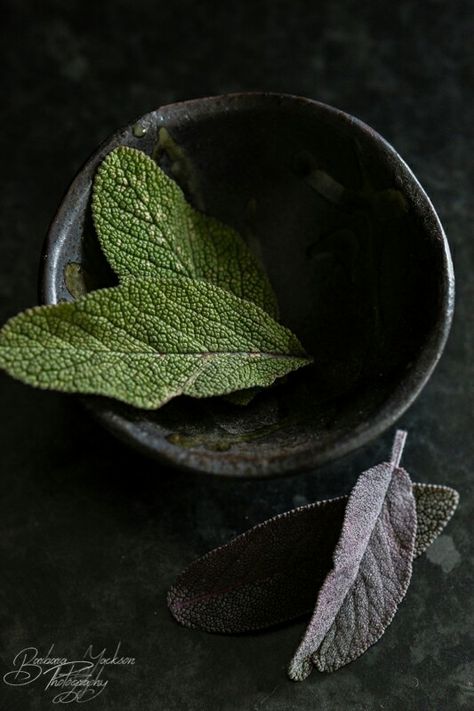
91	534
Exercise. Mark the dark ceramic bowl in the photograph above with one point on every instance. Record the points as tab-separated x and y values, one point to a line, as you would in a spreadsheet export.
353	248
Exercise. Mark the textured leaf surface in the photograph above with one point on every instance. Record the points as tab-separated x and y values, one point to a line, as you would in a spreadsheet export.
149	340
185	175
267	575
435	505
371	571
272	572
145	224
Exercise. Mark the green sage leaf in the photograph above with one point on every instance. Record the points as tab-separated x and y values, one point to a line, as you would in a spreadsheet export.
149	340
144	224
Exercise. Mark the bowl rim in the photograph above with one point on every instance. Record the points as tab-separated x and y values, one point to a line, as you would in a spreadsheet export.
304	458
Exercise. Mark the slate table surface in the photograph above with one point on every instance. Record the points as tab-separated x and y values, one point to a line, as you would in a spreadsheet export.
92	534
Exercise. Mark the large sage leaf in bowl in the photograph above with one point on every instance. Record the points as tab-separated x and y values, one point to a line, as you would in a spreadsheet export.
148	340
145	225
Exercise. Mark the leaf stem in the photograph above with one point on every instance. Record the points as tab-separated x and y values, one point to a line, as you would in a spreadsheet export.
398	447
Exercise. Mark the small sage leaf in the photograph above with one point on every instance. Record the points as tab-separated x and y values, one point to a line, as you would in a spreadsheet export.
144	225
149	340
180	165
372	566
75	280
242	397
272	572
435	505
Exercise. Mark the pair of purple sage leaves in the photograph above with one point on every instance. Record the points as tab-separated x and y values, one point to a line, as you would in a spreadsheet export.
347	559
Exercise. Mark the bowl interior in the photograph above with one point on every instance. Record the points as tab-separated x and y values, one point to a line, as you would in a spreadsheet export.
352	247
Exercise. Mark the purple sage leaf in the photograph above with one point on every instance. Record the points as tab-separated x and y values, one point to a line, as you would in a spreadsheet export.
372	566
269	574
272	572
435	506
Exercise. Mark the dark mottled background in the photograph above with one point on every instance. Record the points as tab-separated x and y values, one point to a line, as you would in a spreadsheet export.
91	533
